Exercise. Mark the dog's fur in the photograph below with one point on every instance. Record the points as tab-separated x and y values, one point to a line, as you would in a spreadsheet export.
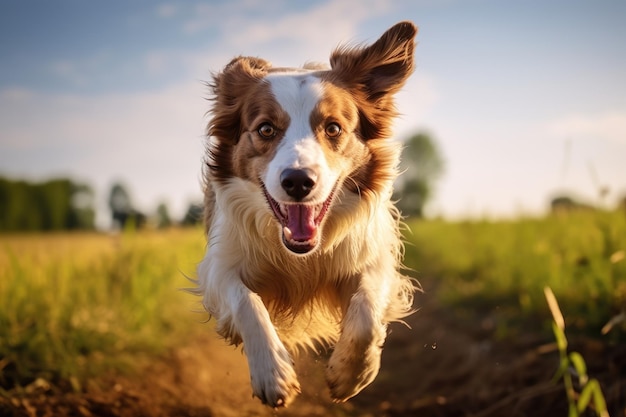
303	239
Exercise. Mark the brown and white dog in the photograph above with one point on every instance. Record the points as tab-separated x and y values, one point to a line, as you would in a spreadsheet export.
303	240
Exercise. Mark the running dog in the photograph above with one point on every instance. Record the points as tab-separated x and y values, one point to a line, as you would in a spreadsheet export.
304	244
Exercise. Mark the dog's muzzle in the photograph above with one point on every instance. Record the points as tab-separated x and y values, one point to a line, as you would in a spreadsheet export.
300	221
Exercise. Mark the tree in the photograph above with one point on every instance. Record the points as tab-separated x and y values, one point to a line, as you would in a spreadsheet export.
193	216
120	205
163	216
421	165
122	212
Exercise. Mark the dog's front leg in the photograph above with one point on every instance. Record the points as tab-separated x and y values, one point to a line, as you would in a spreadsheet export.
356	359
272	374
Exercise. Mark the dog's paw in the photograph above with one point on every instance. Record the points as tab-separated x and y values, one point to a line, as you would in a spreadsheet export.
349	371
274	379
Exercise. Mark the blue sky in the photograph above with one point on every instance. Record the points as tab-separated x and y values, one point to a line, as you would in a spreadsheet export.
525	99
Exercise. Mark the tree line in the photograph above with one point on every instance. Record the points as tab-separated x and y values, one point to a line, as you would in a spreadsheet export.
63	204
124	214
58	204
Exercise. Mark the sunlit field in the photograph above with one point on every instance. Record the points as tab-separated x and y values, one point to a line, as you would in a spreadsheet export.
503	267
75	306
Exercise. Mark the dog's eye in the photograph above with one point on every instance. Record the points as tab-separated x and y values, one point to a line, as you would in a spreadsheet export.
333	130
266	131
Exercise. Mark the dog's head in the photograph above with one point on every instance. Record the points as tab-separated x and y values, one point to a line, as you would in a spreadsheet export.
304	135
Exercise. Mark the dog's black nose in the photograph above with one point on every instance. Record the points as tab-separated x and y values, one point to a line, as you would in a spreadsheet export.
298	183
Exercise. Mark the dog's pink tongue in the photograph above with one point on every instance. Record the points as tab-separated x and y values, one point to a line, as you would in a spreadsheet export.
301	222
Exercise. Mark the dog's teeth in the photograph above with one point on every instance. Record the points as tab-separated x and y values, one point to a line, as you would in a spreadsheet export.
283	210
287	233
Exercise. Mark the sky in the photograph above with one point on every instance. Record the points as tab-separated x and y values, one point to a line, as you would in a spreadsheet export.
524	99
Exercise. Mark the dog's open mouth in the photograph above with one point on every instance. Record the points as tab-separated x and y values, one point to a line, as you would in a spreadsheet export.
300	222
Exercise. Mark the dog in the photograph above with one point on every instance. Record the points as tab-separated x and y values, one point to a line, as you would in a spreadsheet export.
304	246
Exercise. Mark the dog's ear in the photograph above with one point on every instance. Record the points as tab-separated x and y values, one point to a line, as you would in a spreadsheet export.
247	66
229	89
376	72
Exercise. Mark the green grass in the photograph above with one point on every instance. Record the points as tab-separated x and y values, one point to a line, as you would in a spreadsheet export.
73	305
503	266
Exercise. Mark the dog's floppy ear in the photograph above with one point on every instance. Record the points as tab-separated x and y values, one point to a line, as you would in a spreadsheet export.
229	89
247	66
376	72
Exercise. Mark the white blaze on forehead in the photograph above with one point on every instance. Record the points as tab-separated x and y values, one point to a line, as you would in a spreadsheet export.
298	93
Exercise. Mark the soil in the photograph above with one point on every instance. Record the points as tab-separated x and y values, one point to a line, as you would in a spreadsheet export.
441	366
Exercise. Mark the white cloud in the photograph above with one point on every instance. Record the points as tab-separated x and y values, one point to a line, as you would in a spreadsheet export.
610	126
179	63
327	23
249	24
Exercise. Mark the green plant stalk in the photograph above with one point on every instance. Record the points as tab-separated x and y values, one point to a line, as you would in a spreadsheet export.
591	389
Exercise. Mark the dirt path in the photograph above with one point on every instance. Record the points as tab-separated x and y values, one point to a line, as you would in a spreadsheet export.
440	367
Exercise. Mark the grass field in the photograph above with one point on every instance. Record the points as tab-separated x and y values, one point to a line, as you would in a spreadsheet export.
74	305
505	265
